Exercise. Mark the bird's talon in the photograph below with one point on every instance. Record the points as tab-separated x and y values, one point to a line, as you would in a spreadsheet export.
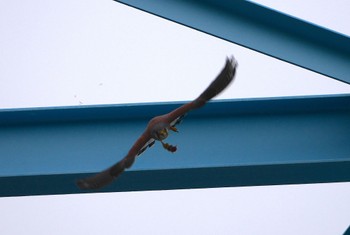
169	147
174	129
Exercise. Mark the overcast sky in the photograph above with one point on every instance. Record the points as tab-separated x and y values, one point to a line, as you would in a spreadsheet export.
58	53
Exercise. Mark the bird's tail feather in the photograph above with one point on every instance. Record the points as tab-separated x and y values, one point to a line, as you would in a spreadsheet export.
224	78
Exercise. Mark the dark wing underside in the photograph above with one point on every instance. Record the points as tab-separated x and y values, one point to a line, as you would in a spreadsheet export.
149	144
178	120
107	176
224	78
103	178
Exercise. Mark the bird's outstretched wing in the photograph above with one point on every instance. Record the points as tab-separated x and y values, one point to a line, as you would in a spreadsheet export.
223	79
103	178
145	141
107	176
149	144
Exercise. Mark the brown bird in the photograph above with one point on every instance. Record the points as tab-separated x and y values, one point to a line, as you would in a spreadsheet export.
158	129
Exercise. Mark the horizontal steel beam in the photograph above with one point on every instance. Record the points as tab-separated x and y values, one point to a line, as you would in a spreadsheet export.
226	143
261	29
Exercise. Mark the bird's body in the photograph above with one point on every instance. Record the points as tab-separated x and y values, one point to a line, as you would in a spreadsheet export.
158	129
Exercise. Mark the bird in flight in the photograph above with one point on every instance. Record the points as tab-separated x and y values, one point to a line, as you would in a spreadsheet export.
159	128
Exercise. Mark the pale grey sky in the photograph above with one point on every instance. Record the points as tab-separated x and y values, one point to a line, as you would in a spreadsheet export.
289	209
57	53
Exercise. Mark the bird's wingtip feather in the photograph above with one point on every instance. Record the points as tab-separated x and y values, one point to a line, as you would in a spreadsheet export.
232	60
103	178
82	184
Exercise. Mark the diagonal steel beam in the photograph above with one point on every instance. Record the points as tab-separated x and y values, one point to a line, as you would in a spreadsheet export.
227	143
261	29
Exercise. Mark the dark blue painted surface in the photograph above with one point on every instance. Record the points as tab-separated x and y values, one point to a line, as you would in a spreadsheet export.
227	143
260	29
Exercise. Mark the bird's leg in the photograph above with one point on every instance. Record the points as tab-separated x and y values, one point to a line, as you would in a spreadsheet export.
169	147
174	129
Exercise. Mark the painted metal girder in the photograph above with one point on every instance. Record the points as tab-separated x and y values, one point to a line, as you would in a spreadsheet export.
261	29
226	143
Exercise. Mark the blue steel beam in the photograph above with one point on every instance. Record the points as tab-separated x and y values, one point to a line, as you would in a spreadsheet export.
226	143
260	29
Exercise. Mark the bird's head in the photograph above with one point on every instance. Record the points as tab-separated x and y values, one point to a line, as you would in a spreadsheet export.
162	134
160	131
